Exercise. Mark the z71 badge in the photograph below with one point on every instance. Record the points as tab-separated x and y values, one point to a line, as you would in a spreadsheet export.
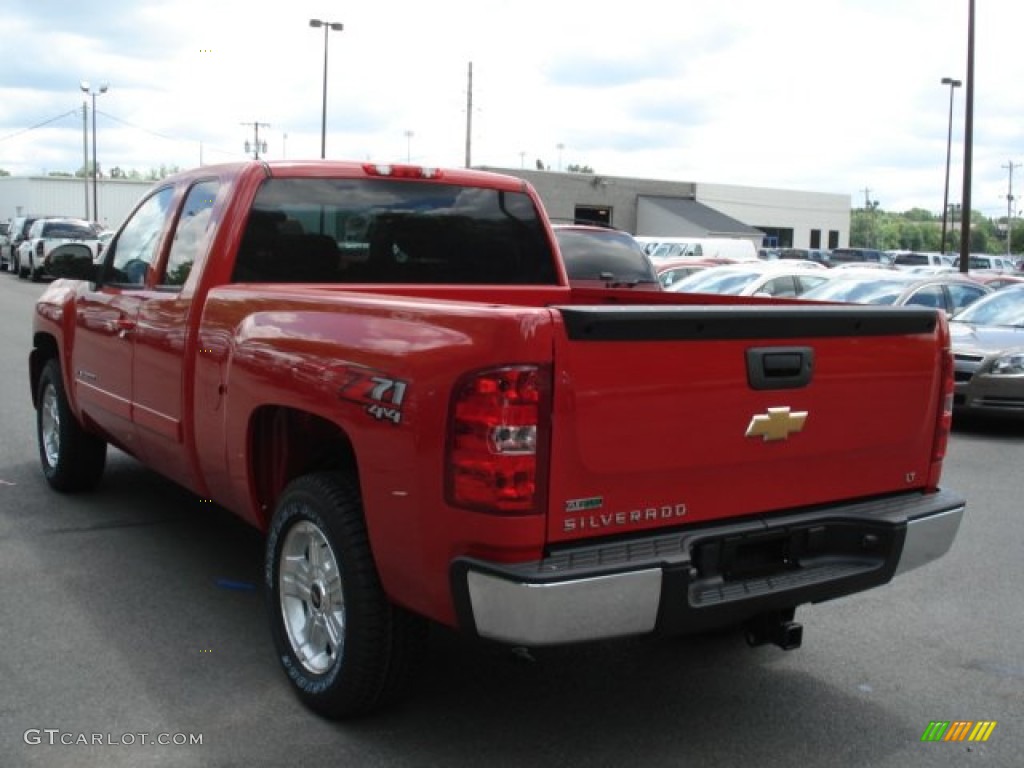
382	395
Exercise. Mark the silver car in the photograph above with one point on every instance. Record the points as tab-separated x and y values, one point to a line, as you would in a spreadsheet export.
988	354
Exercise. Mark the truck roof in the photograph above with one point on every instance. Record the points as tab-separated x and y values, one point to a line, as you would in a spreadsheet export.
353	169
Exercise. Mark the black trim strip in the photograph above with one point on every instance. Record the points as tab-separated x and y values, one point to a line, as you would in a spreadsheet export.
658	323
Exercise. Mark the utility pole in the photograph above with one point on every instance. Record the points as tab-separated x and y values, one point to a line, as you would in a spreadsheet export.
1010	165
469	114
256	147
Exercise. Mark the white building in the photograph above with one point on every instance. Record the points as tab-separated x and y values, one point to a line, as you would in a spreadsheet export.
63	196
770	217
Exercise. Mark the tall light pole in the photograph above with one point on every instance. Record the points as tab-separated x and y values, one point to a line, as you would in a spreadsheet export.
85	154
1010	165
408	146
949	144
337	27
965	199
95	165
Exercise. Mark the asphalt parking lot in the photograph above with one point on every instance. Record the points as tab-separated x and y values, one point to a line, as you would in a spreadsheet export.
130	614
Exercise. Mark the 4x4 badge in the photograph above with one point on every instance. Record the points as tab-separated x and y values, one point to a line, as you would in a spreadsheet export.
776	424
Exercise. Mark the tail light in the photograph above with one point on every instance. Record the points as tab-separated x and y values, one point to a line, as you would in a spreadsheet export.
497	440
943	419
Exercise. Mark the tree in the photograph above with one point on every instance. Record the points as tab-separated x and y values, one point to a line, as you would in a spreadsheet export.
86	171
4	173
62	174
918	214
573	168
117	173
155	174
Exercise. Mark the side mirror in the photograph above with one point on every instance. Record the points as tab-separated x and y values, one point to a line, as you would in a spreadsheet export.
72	261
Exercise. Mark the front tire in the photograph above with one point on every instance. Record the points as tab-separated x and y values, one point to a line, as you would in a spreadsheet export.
346	648
72	459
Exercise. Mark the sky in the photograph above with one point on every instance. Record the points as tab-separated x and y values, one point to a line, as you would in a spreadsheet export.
837	96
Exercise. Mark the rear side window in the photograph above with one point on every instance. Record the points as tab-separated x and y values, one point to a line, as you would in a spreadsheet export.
911	259
392	231
68	230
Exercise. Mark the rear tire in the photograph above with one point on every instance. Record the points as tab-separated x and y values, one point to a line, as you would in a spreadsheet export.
346	648
72	459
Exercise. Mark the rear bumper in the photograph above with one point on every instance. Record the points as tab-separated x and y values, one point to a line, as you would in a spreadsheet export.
701	578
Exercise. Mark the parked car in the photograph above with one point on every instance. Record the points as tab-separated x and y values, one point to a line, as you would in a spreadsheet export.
20	225
858	255
988	354
950	293
815	255
735	248
758	279
987	263
45	235
908	259
671	271
607	256
997	281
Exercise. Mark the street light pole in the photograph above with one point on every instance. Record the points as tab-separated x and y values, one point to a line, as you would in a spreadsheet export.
337	27
965	199
949	143
85	154
408	146
95	165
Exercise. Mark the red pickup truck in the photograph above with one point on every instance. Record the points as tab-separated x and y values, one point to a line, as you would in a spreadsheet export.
386	369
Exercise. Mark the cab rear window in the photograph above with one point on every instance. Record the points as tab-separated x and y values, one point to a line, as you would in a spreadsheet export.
393	231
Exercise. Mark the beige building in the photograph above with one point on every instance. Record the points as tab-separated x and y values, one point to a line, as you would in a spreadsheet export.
770	217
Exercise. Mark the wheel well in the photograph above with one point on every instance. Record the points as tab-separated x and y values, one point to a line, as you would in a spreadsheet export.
285	443
44	347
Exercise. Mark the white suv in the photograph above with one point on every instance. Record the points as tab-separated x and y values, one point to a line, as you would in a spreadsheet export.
45	235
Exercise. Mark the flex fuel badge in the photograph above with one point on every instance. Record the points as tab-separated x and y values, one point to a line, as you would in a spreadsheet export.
582	505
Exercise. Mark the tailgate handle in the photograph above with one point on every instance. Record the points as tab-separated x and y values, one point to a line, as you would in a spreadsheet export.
779	367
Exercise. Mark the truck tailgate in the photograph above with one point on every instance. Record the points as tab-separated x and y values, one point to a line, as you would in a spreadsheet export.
670	415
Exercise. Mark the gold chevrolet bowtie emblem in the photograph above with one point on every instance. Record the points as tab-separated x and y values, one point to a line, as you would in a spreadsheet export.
777	424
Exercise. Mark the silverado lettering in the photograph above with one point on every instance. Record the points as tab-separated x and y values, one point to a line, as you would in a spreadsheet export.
606	520
252	328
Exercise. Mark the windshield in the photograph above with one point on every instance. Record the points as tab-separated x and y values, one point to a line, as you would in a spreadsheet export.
858	291
726	281
69	230
675	251
1004	307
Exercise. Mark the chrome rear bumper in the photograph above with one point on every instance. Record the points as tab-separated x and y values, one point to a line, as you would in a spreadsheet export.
566	598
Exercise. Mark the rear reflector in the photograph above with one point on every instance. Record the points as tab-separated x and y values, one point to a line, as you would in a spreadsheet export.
944	419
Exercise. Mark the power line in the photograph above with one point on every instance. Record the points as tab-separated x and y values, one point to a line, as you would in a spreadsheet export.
40	125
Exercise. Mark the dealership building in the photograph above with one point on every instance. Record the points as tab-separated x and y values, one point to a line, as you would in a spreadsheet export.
769	217
66	196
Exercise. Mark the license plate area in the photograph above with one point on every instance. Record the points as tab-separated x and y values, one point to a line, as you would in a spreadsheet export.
760	554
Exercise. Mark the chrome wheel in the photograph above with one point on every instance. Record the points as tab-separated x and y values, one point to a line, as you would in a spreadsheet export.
312	601
50	425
